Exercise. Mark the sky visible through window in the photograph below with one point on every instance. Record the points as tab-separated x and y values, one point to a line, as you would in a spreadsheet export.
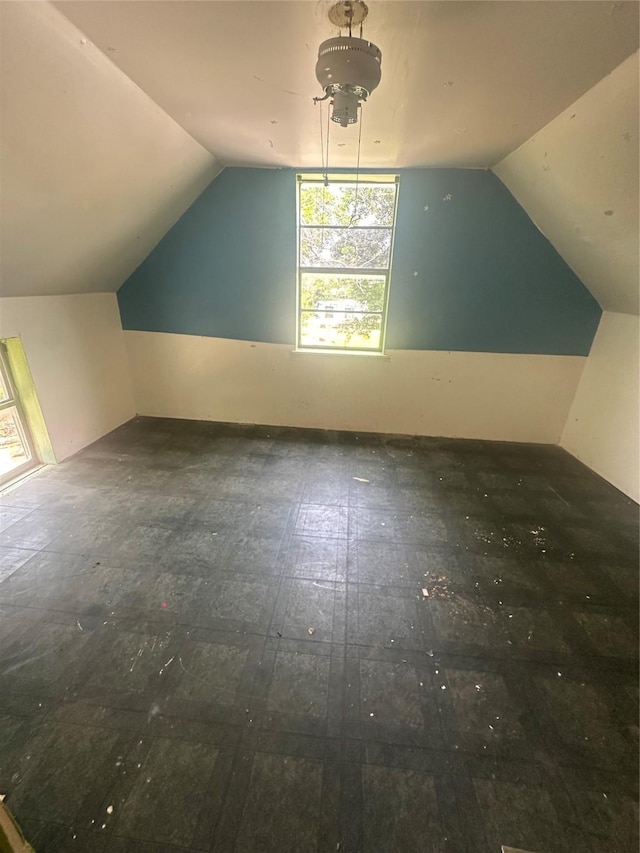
344	258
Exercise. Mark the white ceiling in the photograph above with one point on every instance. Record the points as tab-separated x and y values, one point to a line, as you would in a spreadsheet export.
463	83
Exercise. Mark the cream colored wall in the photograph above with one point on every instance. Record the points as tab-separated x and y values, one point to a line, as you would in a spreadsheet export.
577	178
470	395
602	426
75	349
94	173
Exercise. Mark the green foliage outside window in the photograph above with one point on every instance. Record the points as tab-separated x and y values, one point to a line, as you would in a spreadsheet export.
345	243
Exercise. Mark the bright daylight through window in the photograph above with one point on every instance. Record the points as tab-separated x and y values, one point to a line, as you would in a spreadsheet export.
345	243
16	448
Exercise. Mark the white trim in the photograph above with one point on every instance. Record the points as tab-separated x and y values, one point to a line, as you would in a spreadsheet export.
379	356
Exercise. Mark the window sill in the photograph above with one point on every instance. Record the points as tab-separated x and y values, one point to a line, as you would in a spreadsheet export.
21	477
377	356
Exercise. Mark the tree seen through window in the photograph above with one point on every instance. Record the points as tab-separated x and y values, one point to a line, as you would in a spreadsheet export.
345	238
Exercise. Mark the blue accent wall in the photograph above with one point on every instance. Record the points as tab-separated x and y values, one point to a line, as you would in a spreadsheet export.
470	273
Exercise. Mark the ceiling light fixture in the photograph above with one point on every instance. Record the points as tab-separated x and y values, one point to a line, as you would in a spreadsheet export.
348	68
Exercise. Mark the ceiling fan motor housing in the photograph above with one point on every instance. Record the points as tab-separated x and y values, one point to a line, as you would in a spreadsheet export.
349	69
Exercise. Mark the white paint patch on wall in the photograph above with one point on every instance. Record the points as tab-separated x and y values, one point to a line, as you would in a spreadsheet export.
94	173
76	353
470	395
577	178
602	427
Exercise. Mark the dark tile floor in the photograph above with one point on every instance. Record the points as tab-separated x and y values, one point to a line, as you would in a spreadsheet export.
219	638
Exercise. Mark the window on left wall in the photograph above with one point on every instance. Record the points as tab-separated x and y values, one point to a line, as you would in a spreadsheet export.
17	452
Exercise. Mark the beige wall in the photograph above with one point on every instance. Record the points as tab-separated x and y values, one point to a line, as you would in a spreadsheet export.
94	173
75	349
602	426
577	178
470	395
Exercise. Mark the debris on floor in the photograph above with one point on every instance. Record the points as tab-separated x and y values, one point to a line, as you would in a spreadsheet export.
361	480
290	536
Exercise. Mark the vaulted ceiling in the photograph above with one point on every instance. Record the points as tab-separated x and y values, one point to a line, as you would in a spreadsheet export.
115	115
463	83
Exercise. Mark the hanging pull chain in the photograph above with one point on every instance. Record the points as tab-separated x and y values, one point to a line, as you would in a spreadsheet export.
321	138
326	174
355	200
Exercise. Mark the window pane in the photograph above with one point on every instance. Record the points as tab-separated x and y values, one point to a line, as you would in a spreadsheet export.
353	248
330	328
342	293
346	204
4	391
13	448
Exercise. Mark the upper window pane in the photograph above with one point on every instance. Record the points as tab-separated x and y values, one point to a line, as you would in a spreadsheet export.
354	248
347	204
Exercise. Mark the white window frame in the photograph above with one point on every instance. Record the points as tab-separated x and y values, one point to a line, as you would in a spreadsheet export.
352	180
12	401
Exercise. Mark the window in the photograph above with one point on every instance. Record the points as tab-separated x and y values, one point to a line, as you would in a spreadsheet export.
345	243
16	447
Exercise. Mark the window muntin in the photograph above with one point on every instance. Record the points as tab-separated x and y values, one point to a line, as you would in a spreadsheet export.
345	245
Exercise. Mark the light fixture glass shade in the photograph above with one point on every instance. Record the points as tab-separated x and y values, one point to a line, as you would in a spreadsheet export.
349	69
345	106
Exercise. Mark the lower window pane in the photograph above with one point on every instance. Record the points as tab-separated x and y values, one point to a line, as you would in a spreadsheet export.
340	329
342	292
14	450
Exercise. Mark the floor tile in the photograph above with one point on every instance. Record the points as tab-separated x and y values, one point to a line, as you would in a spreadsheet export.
300	684
400	811
211	672
64	765
169	793
283	804
387	618
393	693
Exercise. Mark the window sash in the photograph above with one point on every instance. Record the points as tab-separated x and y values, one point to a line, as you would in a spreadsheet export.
382	272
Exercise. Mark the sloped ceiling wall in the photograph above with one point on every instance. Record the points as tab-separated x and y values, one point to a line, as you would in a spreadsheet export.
578	180
93	172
